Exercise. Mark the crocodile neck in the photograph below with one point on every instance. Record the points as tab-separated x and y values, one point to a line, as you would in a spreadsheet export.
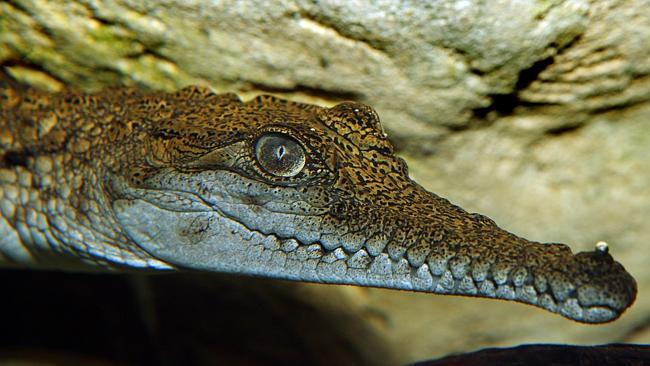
125	179
58	152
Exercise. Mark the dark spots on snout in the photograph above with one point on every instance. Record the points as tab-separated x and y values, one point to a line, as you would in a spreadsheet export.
197	229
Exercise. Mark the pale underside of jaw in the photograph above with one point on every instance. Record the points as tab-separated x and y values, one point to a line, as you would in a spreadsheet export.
189	231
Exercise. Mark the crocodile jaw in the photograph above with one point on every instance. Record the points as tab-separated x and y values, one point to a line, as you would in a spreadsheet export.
221	233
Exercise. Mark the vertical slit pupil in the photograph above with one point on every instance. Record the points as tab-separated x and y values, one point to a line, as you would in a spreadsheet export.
279	153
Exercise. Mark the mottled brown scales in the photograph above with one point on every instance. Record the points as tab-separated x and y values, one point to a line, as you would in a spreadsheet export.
85	152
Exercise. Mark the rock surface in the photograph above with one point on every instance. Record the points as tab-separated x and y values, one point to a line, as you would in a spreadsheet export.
536	113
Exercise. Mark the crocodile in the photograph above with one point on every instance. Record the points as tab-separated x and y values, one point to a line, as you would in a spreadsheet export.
125	179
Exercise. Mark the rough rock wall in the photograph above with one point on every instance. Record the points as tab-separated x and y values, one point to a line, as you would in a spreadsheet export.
536	113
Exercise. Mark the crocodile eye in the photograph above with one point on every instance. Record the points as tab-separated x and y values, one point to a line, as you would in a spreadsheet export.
280	155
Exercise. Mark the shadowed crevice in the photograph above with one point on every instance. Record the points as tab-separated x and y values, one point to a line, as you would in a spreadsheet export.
564	129
504	104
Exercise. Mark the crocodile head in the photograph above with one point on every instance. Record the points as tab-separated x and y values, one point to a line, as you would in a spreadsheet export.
289	190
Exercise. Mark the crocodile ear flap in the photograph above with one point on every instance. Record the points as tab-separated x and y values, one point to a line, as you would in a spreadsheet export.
360	124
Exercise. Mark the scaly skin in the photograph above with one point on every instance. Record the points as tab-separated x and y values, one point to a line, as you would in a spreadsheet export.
125	179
